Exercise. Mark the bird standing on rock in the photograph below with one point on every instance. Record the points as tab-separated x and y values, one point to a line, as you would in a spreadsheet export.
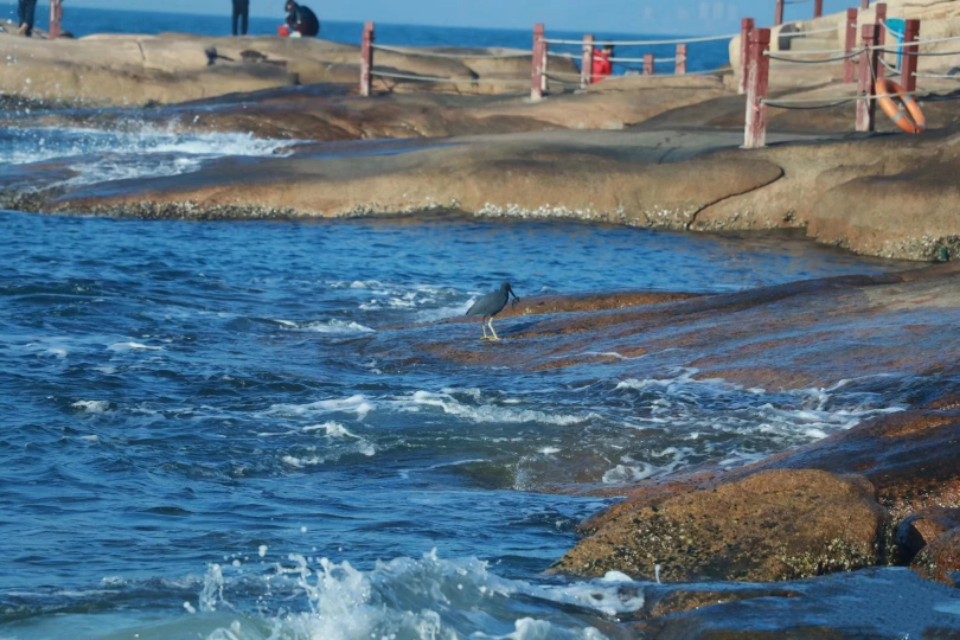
490	305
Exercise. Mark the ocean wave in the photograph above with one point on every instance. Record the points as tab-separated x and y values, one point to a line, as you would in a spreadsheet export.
134	150
486	412
333	326
417	598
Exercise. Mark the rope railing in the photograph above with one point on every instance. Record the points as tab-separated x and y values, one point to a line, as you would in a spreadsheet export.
890	30
803	34
448	80
929	41
410	51
821	103
921	54
642	60
873	86
785	56
841	58
642	43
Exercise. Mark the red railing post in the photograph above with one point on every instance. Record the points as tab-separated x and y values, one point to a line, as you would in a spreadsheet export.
586	65
755	122
746	26
866	88
537	70
850	65
366	59
881	40
818	8
648	64
56	18
908	70
778	19
681	68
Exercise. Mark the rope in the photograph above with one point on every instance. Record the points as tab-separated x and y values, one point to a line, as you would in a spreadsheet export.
891	31
643	43
438	79
893	71
793	107
628	60
802	34
934	41
559	77
704	72
820	52
946	76
920	54
797	103
456	56
774	56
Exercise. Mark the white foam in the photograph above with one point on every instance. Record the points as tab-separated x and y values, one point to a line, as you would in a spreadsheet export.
422	599
335	326
91	406
137	150
358	404
132	346
485	412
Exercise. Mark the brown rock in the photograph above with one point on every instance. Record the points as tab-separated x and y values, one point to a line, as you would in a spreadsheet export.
920	530
940	560
778	525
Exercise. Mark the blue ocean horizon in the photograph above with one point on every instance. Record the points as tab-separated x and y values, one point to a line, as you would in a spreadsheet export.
83	21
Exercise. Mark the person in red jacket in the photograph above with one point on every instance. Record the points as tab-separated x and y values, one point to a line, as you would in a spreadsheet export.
602	63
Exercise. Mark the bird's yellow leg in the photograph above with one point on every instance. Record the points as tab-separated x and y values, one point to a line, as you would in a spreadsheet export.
483	325
495	336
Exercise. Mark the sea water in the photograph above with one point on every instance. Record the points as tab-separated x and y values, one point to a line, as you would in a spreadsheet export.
225	430
203	436
82	21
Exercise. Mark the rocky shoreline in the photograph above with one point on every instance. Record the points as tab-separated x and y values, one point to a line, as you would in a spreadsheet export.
649	152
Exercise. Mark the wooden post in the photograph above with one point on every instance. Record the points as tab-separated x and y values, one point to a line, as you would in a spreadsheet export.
746	26
778	19
537	70
586	65
366	59
56	18
881	39
866	88
681	68
544	62
818	8
850	65
908	70
649	65
755	122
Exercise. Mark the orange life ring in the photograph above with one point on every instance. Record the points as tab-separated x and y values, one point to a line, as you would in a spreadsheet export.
901	108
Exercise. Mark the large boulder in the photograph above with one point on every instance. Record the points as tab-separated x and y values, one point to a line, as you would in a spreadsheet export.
777	525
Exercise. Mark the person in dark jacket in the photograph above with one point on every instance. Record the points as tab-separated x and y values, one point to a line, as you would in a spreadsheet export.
302	20
26	12
241	16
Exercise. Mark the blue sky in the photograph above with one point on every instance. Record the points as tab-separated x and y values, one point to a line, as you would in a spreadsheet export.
629	16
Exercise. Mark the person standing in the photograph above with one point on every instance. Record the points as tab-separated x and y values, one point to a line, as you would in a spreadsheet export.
241	14
301	20
26	12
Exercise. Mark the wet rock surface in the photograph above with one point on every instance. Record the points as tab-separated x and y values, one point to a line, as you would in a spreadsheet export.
886	492
775	525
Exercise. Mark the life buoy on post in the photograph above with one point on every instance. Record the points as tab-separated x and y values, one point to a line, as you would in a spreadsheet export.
899	107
